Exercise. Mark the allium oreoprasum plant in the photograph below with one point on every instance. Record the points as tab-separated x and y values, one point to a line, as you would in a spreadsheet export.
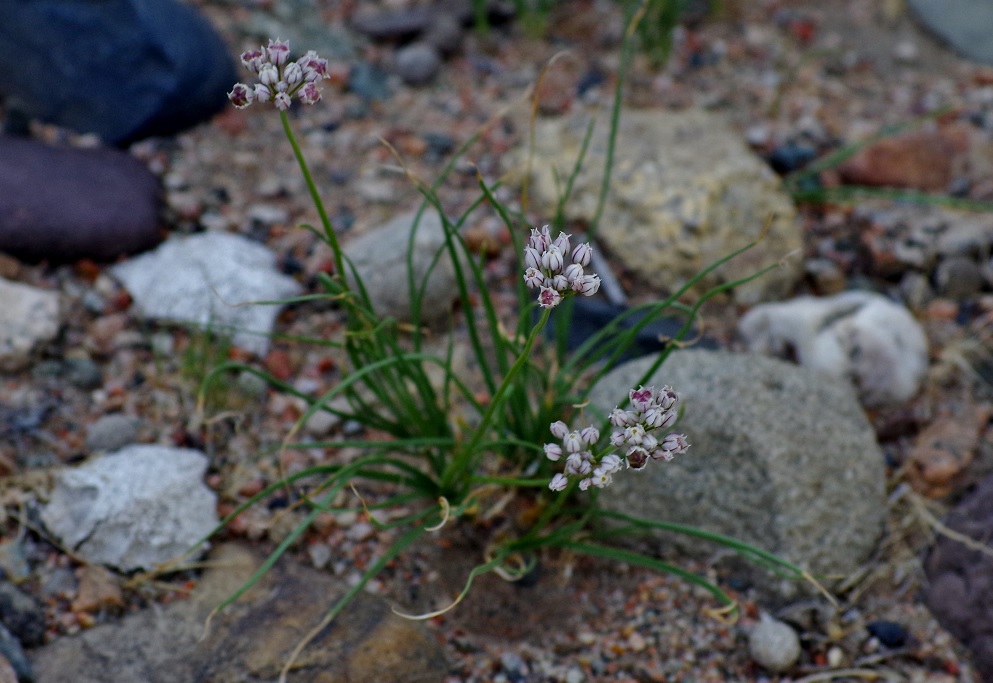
450	443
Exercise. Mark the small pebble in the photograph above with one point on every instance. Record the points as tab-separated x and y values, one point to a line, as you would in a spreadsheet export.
418	63
889	633
82	372
774	645
958	278
111	433
574	675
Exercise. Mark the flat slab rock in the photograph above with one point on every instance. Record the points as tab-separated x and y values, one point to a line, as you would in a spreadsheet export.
62	204
213	280
780	457
29	318
134	509
250	641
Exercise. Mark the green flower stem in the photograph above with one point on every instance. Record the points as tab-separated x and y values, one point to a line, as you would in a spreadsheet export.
332	239
463	462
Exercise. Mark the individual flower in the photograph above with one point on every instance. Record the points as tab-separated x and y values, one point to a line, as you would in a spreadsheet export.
280	80
556	269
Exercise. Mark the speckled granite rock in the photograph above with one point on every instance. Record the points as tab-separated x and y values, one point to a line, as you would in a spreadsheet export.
780	456
685	191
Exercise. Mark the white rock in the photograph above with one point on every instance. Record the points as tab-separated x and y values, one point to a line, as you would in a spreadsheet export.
774	645
862	336
133	509
212	280
29	317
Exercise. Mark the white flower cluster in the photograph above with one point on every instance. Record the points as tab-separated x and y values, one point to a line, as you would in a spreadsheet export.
280	80
547	269
650	411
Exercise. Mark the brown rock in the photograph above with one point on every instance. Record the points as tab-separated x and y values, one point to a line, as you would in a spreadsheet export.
98	590
944	450
251	640
921	160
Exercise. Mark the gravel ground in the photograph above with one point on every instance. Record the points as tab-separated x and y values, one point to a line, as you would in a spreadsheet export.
824	73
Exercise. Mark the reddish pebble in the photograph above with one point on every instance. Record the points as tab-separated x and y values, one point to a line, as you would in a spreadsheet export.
942	309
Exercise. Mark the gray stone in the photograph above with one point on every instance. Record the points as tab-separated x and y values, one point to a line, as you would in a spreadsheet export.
29	318
774	645
62	204
212	280
380	257
685	191
418	63
251	640
133	509
111	433
965	25
123	69
21	615
780	456
860	336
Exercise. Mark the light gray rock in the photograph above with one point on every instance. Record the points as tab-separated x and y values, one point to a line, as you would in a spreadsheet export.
774	645
685	191
780	456
133	509
380	257
860	336
111	432
418	63
29	318
213	280
964	24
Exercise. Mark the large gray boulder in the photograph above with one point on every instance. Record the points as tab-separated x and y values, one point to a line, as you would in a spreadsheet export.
780	456
685	191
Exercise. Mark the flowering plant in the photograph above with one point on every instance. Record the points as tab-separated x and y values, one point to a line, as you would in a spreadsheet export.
449	464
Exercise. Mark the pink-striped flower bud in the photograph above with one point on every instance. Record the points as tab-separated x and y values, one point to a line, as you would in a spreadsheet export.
540	239
559	429
577	465
622	418
573	442
282	101
551	259
532	258
668	419
262	93
611	462
533	278
562	242
549	298
553	451
573	272
582	254
559	482
559	283
666	398
674	444
585	484
588	285
590	435
293	73
653	417
634	434
278	52
269	74
314	68
617	439
241	95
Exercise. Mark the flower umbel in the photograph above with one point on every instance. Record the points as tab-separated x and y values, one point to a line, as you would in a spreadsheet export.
650	411
556	270
280	80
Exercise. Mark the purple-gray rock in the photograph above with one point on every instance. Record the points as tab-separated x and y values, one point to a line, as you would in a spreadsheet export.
960	593
123	69
61	204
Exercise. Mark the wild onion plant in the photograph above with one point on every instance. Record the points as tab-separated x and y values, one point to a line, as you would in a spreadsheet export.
514	436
